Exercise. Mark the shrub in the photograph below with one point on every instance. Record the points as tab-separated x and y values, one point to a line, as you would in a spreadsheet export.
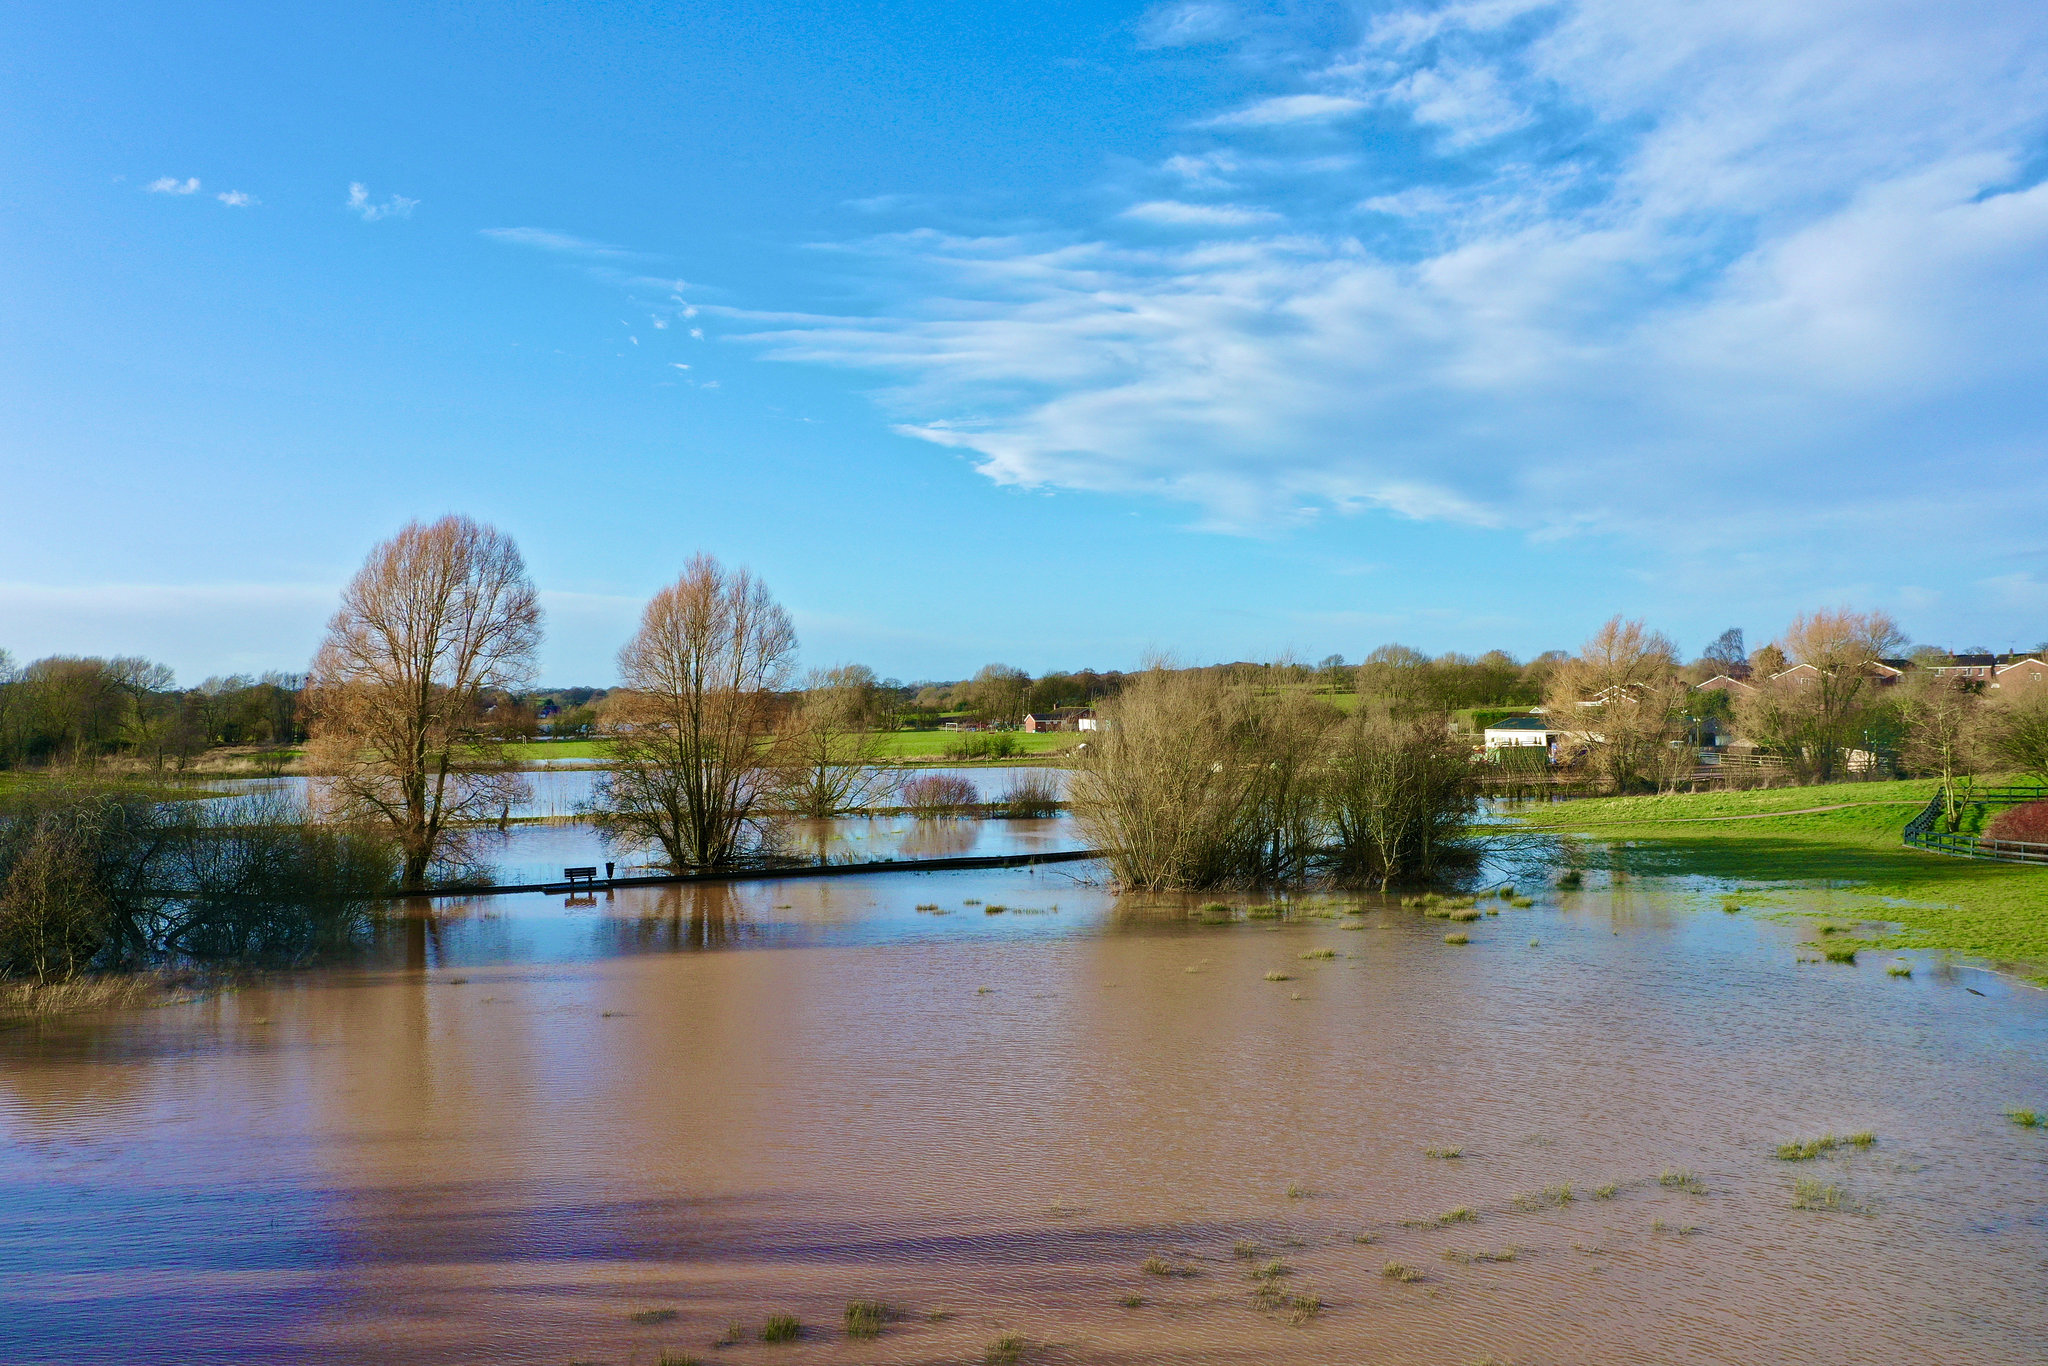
2026	824
1031	794
932	795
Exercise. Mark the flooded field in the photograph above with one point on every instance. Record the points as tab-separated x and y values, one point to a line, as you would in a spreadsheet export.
613	1129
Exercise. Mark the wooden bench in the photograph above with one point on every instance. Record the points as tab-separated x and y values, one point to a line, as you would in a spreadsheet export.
572	876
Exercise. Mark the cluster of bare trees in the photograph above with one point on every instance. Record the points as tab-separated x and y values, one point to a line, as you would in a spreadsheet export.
1199	780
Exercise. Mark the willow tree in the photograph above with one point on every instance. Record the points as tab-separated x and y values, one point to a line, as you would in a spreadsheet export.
693	723
439	620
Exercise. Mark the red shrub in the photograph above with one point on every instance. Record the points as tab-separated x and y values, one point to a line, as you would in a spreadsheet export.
2028	824
939	794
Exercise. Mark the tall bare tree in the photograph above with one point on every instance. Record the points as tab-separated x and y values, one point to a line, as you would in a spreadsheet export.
439	617
1621	698
694	721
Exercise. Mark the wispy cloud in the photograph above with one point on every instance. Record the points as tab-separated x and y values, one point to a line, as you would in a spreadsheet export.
1693	277
170	184
1177	214
370	211
236	199
547	239
1288	109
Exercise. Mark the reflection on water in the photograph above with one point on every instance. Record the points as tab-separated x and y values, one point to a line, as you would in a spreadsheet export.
518	1121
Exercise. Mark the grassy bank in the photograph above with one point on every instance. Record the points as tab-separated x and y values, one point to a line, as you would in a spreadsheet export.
1992	910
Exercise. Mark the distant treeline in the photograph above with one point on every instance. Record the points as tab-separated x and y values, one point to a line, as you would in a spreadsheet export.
78	710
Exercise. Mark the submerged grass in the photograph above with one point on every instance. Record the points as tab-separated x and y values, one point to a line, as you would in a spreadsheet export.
1006	1350
1808	1193
1397	1271
653	1316
1678	1178
781	1328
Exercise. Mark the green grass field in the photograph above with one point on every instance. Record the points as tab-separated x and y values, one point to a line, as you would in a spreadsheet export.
1993	910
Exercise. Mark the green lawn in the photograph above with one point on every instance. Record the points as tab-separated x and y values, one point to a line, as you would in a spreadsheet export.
1994	910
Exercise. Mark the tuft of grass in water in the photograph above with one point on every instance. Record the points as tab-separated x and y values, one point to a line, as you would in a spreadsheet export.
2027	1119
864	1318
1297	1191
1506	892
938	1316
1506	1254
1682	1230
1839	953
1006	1350
1461	1215
1463	917
1796	1151
1266	1297
1731	908
1277	976
1272	1271
781	1328
1898	967
1571	881
1361	1237
1862	1138
1156	1266
970	901
1310	954
1302	1308
928	906
1443	1153
993	910
1608	1191
653	1316
1458	937
1556	1196
1264	912
734	1332
1808	1193
1522	903
1244	1250
676	1359
1133	1301
1678	1178
1396	1271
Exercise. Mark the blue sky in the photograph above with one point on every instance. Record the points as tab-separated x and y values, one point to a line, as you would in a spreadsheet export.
1056	334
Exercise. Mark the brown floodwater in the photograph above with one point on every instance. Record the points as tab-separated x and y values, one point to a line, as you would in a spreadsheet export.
514	1123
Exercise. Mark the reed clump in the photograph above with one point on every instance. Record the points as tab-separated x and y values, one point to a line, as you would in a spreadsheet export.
781	1328
865	1318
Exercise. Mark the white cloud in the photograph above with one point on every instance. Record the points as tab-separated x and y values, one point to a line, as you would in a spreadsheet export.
1288	109
1693	276
236	199
1190	23
170	184
359	201
546	239
1177	214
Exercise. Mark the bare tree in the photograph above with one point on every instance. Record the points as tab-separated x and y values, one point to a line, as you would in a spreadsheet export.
1622	700
830	746
1196	780
1818	710
437	618
1944	735
2017	729
693	723
1399	790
